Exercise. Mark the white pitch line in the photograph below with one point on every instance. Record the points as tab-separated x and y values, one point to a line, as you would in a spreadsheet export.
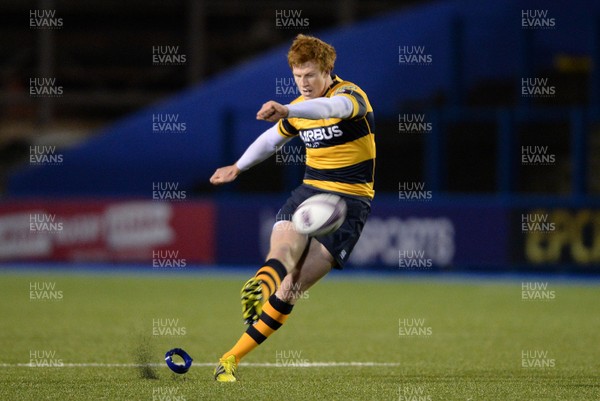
255	364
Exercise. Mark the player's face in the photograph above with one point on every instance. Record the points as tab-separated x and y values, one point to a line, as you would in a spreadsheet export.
311	81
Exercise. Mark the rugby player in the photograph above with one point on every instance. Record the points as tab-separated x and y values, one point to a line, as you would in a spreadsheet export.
335	121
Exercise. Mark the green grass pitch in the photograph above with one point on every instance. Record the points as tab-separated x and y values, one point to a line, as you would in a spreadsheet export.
103	337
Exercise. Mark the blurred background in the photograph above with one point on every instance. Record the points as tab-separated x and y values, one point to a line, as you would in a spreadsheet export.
116	113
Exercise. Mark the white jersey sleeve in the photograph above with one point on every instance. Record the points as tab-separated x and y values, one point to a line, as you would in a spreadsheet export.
323	107
263	147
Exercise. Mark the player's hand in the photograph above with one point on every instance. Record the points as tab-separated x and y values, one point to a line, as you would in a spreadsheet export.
226	174
272	111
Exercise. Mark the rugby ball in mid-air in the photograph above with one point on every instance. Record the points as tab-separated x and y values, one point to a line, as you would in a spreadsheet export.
319	215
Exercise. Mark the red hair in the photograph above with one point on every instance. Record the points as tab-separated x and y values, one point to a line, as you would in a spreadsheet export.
308	48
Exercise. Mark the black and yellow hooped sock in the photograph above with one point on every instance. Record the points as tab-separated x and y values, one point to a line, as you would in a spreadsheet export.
274	314
272	274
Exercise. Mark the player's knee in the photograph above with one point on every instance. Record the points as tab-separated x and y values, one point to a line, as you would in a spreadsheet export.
280	251
285	253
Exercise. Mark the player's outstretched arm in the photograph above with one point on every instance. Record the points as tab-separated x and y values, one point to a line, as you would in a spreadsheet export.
263	147
313	109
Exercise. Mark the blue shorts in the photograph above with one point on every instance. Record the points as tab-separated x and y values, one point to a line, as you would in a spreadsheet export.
341	242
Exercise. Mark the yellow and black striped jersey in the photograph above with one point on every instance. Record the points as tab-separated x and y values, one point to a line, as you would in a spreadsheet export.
340	153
